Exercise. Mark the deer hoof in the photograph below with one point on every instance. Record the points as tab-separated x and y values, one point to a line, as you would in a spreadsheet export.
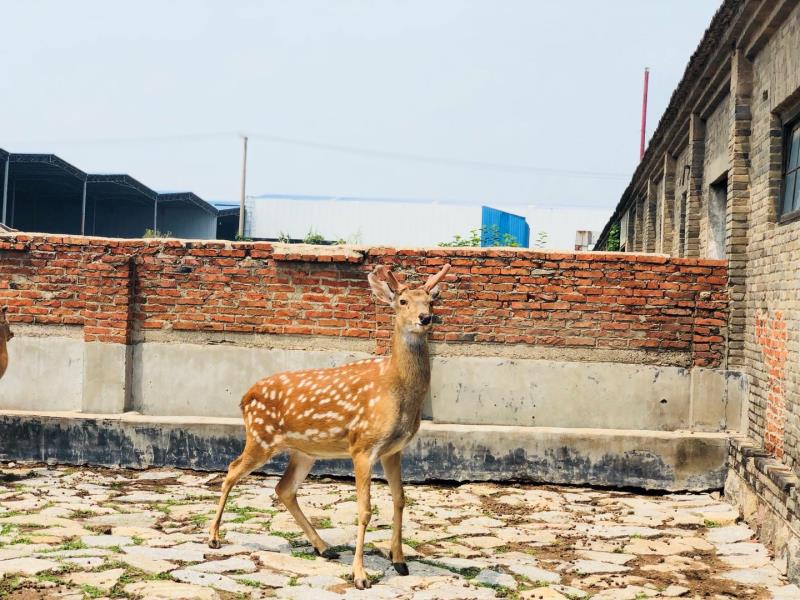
401	568
214	544
327	553
363	584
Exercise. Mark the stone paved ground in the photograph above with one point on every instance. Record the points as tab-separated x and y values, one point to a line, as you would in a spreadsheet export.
78	533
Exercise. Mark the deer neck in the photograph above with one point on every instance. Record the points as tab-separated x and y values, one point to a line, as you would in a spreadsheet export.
411	362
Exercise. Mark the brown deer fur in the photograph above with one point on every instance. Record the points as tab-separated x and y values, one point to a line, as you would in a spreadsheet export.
5	336
368	410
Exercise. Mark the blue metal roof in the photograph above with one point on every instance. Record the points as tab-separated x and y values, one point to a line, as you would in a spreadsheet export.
223	204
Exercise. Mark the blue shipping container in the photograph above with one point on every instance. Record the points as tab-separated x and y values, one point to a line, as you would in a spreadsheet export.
496	223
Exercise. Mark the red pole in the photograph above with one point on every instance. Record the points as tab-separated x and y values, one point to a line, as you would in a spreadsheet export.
644	111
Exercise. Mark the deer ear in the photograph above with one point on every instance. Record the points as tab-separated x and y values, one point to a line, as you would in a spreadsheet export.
434	293
381	289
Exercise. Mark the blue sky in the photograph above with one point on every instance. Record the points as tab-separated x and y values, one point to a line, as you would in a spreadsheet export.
160	89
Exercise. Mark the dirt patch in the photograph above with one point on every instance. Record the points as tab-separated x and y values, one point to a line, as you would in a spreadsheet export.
512	514
32	593
151	484
702	583
553	553
15	477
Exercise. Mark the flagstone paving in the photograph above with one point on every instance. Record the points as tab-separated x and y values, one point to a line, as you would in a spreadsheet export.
75	533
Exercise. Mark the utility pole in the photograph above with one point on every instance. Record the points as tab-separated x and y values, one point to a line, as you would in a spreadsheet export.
244	184
644	112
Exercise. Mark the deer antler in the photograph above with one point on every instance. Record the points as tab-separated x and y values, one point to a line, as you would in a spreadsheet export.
390	279
434	279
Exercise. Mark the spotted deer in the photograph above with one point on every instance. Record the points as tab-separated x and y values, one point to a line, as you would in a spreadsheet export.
5	337
368	410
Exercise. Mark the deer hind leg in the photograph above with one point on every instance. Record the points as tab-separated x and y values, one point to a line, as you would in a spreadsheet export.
253	456
296	472
391	468
363	471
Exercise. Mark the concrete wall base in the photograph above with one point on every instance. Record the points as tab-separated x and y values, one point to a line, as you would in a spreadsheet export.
177	374
607	457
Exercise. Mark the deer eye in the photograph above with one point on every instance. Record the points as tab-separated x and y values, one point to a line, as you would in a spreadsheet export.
403	302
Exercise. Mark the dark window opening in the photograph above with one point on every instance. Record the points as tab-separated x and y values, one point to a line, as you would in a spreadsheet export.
682	225
659	233
717	209
790	197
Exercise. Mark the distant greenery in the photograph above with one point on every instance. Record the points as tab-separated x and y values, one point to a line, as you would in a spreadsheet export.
243	238
155	233
489	234
354	239
612	243
314	237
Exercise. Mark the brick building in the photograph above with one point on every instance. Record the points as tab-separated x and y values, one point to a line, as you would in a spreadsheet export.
720	179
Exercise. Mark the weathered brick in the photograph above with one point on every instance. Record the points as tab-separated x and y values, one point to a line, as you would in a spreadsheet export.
494	296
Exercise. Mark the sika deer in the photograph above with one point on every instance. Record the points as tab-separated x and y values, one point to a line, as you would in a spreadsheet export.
368	410
5	337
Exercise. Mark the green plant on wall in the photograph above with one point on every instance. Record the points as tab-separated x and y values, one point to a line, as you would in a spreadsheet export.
155	233
488	233
612	242
314	237
354	239
541	240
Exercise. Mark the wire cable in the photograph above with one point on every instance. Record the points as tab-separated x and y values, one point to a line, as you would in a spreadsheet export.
352	150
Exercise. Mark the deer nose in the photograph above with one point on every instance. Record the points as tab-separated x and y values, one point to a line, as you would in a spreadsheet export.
424	318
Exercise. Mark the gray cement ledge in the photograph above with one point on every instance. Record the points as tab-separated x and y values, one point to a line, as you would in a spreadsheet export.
652	460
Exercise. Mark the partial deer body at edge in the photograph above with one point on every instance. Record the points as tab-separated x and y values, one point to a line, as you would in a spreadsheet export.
5	337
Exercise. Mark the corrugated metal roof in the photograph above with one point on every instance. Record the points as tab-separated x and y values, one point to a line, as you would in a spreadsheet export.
64	168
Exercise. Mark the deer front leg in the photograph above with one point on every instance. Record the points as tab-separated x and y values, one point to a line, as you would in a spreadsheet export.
393	472
363	471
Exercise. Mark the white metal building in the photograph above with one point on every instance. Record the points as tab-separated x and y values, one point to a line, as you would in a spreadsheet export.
401	222
359	220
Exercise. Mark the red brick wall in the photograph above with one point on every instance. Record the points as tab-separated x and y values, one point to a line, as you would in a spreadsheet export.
117	288
771	336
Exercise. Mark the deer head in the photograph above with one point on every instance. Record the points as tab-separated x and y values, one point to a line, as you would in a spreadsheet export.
412	306
5	329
